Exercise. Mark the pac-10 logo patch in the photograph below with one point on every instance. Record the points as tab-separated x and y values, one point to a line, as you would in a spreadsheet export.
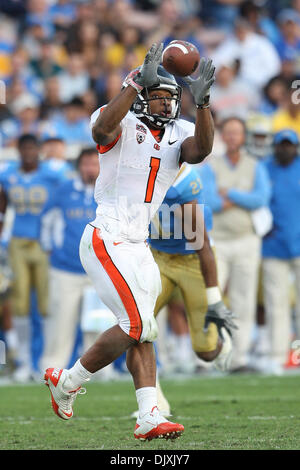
141	128
140	137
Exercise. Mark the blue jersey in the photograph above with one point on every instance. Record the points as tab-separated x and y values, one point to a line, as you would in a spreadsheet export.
57	170
165	234
28	194
283	241
64	219
6	168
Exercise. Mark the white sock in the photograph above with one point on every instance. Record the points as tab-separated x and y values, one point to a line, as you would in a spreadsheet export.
23	329
147	399
11	338
185	347
77	375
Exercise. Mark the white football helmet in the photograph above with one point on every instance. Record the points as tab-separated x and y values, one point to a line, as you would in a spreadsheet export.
166	82
259	135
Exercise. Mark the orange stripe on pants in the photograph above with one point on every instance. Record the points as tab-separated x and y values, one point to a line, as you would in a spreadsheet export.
120	284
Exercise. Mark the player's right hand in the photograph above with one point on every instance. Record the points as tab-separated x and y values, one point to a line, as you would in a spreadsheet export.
219	314
147	75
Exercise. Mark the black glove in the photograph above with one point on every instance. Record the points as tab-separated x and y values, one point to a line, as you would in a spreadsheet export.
219	314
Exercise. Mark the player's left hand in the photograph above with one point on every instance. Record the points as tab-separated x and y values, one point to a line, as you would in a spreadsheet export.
201	86
219	314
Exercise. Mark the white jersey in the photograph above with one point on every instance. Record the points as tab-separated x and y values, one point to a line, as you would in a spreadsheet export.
135	173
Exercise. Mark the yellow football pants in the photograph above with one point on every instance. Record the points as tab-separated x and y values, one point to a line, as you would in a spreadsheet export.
30	269
183	271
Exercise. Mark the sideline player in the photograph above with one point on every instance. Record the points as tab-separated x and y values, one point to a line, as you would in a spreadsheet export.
26	188
135	174
178	260
63	221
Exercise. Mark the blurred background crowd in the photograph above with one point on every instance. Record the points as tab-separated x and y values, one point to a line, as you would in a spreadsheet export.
59	61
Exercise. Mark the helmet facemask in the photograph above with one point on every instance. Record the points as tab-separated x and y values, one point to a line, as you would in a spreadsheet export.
141	106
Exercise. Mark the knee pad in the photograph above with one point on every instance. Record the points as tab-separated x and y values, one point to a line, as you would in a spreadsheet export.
150	330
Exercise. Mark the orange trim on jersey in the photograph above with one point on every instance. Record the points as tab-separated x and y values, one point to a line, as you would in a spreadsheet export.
156	134
154	165
120	284
105	148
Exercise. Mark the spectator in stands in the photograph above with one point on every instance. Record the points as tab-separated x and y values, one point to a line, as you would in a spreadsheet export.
129	41
62	13
274	95
72	125
65	217
21	70
38	14
241	46
235	185
74	80
15	89
296	5
220	13
281	247
109	87
51	104
25	111
260	21
90	101
8	38
232	92
84	12
45	66
288	115
88	42
288	44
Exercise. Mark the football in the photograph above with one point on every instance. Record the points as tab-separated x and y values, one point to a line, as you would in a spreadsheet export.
180	58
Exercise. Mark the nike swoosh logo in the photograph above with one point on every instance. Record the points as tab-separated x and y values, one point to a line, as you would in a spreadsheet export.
171	143
66	414
117	243
73	391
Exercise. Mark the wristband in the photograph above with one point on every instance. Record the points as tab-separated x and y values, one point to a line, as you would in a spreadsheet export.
213	295
202	106
205	103
135	85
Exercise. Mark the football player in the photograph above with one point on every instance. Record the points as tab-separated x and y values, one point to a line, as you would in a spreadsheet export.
6	318
210	322
259	135
26	189
63	220
54	163
141	142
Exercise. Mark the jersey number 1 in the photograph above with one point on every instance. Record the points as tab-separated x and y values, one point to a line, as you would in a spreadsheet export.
154	165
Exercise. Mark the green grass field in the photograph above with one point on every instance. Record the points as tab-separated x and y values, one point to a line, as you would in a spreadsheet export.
250	412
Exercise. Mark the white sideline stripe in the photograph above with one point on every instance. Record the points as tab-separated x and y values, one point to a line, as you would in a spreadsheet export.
270	417
267	418
24	420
